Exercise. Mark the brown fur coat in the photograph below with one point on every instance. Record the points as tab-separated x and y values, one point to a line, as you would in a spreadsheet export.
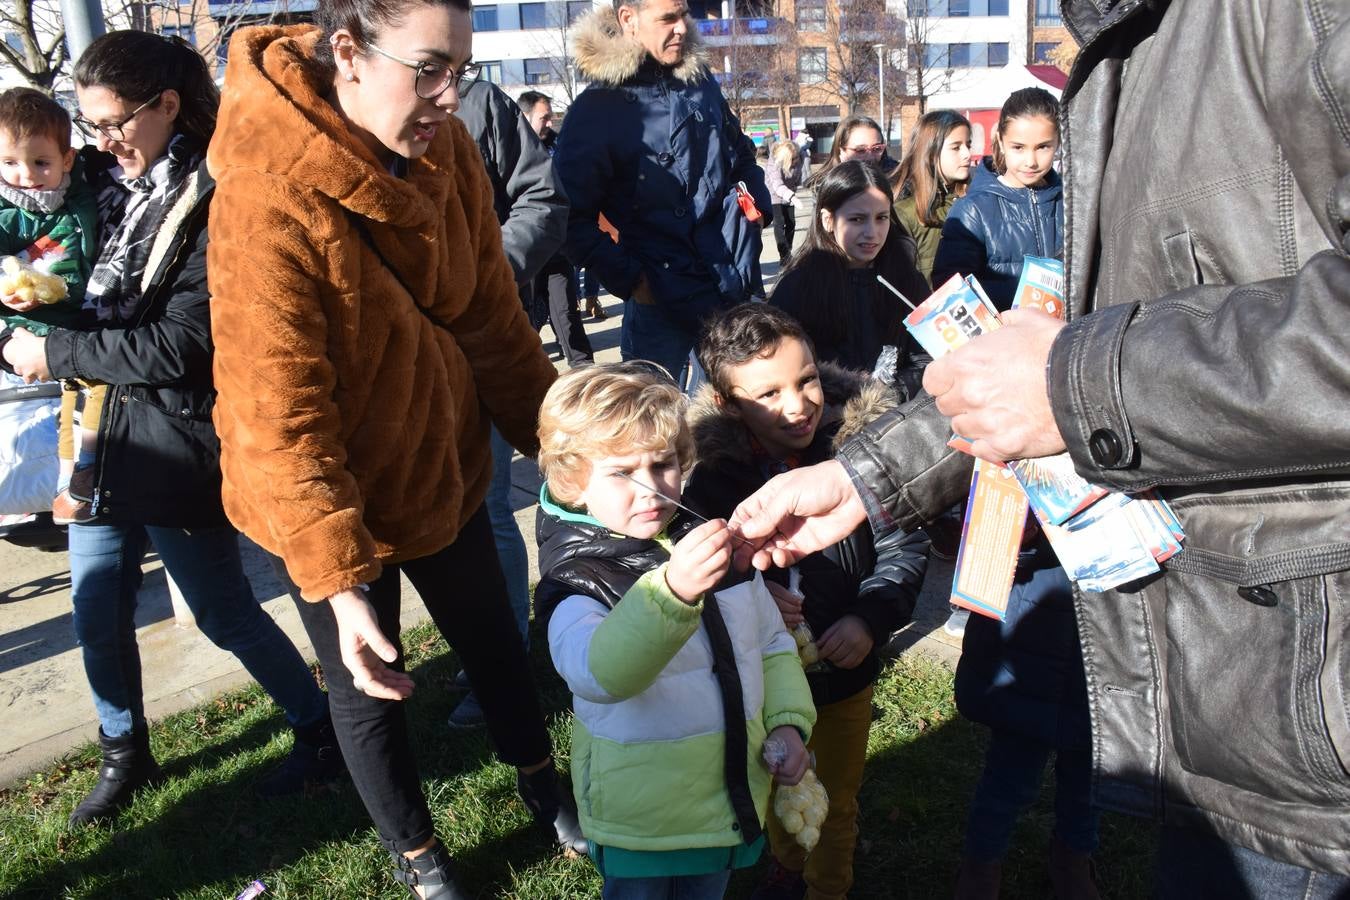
354	429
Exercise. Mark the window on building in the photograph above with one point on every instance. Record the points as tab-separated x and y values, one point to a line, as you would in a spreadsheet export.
576	9
485	18
1043	51
186	32
998	56
490	71
538	70
1047	12
998	7
935	56
533	15
811	15
958	55
812	66
958	7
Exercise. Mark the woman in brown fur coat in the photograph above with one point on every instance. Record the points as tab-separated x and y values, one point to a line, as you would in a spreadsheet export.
367	331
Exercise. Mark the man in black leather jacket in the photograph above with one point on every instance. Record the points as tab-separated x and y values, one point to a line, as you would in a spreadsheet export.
1206	355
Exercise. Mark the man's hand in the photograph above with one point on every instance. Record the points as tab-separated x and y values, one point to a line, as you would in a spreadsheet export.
699	561
794	765
795	514
846	643
994	388
789	604
27	356
365	649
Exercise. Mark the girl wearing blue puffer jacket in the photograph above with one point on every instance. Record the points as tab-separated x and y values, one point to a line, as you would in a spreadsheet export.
1018	212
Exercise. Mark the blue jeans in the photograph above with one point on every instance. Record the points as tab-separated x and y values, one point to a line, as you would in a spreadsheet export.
650	334
506	534
1013	766
1192	865
105	575
672	887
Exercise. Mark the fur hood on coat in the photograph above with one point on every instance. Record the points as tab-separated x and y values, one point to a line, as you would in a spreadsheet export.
607	56
367	327
852	400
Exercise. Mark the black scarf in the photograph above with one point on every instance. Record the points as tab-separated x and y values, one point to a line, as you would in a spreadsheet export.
114	288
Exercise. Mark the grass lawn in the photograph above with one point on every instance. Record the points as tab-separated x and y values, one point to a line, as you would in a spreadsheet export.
204	835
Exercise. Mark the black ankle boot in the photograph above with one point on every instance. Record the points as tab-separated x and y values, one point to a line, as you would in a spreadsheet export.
127	767
543	794
433	872
315	758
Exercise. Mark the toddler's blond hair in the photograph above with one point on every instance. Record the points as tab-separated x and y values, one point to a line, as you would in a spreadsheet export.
612	409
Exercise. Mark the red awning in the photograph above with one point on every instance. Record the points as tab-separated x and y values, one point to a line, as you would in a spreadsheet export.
1051	75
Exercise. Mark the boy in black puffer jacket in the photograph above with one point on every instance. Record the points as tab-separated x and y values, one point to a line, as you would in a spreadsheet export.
767	408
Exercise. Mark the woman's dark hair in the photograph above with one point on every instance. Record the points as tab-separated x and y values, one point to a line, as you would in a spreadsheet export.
822	267
741	334
139	66
846	127
364	19
920	172
1028	103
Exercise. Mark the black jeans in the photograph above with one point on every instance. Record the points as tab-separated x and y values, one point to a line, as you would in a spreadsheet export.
784	229
557	282
463	589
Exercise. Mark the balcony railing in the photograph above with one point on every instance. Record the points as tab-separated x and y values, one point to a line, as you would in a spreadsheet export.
720	31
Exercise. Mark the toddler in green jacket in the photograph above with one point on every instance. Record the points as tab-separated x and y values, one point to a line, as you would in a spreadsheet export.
49	221
679	670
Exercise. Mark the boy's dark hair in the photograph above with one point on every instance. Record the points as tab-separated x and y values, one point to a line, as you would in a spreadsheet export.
530	99
25	113
139	67
742	333
1028	103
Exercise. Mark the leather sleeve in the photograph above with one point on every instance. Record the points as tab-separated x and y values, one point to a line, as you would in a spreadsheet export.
902	466
1263	392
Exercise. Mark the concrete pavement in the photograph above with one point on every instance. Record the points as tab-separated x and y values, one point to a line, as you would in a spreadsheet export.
45	706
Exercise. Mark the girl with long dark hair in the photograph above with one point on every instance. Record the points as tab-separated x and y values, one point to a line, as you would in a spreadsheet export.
831	283
933	175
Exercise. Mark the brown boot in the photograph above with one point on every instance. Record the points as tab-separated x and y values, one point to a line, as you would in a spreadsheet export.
594	310
979	880
1071	873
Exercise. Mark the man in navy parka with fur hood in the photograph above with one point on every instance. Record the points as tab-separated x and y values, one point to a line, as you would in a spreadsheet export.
652	145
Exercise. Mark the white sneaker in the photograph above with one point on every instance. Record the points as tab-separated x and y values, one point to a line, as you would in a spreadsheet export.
956	622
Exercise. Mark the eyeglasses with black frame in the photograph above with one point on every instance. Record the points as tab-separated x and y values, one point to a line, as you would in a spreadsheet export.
112	130
431	79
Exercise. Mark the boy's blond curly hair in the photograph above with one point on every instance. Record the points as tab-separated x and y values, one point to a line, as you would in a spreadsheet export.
612	409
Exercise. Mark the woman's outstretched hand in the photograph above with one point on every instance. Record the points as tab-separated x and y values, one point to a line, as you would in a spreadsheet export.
795	514
365	649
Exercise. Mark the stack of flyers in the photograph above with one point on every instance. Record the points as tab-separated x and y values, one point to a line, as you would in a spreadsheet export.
1103	539
1041	286
951	316
1100	547
991	535
1054	489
